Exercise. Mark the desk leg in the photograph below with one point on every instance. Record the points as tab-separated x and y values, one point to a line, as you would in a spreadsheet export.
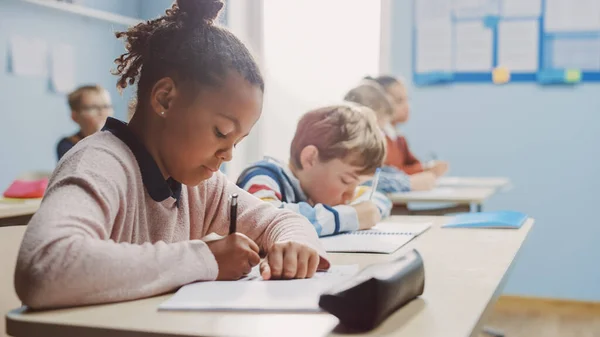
400	210
479	208
438	211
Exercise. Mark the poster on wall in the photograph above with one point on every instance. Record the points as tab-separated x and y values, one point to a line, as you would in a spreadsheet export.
504	41
62	70
28	56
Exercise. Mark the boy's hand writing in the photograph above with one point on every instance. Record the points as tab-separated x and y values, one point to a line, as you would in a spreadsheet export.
236	254
439	168
423	181
289	260
368	214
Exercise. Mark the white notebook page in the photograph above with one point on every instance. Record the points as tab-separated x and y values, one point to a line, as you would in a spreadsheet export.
384	238
254	294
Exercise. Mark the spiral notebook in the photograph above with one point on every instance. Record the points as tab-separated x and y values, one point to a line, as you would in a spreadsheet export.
384	238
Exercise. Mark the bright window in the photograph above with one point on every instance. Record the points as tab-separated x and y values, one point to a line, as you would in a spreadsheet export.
314	52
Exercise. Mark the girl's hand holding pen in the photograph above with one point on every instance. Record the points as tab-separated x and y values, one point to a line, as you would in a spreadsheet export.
236	254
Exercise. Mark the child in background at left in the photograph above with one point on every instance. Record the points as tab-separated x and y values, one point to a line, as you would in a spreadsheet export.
392	180
90	107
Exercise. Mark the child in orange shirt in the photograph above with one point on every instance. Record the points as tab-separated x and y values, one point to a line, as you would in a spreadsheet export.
392	180
399	154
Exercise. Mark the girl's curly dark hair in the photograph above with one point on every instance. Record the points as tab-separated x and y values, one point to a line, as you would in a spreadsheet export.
184	44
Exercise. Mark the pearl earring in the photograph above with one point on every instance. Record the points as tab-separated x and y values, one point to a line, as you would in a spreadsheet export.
162	113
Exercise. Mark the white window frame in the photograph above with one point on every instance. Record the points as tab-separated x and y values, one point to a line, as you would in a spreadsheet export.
245	19
385	45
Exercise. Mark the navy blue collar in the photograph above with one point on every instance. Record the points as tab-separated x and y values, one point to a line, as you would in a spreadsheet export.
156	185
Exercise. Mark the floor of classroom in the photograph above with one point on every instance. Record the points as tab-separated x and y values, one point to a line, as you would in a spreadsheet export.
545	320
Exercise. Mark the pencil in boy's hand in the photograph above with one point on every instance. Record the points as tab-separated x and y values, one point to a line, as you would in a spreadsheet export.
375	182
233	214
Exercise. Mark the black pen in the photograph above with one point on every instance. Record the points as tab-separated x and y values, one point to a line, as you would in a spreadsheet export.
233	214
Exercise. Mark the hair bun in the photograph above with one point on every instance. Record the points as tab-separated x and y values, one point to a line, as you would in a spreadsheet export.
205	10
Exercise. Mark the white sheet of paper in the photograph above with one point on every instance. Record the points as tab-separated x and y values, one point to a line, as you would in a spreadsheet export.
473	50
582	54
254	294
29	56
434	46
518	45
390	226
474	8
572	15
63	68
472	182
383	238
521	8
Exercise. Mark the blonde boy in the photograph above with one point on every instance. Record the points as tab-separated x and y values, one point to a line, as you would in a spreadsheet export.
399	154
334	150
370	94
90	107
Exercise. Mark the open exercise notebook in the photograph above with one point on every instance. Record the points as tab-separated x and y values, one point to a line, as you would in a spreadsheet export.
252	293
384	238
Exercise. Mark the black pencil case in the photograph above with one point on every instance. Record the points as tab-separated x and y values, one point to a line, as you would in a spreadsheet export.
377	291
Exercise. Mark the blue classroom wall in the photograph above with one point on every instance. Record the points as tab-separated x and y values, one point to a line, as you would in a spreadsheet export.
33	118
154	8
129	8
545	139
150	9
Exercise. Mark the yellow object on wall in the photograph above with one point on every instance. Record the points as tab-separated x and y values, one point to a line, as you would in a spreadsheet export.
500	75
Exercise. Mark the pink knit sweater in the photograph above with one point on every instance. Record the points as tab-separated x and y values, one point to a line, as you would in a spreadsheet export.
99	237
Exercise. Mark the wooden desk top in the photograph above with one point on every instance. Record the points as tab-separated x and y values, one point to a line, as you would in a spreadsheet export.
11	208
445	194
477	182
465	272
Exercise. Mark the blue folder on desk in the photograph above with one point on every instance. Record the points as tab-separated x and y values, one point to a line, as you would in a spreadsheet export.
500	219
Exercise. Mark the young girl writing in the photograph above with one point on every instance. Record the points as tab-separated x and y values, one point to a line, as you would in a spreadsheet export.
126	209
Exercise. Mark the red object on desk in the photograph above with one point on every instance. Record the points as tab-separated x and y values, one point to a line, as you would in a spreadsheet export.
24	189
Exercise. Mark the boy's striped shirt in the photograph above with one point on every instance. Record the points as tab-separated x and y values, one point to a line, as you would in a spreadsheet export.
272	181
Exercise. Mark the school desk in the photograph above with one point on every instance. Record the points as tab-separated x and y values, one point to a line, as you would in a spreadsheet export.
17	212
465	272
462	197
10	240
498	183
